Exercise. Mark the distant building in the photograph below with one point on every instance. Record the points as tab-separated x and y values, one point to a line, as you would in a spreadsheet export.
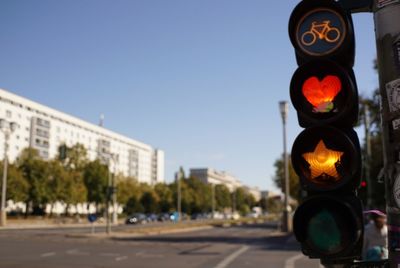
45	129
255	191
211	176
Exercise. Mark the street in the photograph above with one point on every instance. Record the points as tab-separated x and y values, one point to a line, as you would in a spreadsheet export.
240	246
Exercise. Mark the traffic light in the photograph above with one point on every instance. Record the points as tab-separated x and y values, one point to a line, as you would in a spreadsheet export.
326	155
62	152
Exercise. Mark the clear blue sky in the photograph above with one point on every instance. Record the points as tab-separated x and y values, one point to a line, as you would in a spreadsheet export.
199	79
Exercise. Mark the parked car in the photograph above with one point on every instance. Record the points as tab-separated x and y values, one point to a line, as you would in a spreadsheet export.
151	217
164	217
136	218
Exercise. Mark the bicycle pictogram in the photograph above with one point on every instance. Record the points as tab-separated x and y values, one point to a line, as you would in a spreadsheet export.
322	31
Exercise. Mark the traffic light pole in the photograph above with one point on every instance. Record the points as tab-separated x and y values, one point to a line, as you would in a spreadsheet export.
387	32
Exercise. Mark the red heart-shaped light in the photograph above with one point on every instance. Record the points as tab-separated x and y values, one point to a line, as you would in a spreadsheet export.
319	93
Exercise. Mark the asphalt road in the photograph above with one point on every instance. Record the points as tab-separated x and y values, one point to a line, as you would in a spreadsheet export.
241	246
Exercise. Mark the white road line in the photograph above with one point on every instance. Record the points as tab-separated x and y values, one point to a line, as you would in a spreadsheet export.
225	262
290	262
76	252
109	254
121	258
48	254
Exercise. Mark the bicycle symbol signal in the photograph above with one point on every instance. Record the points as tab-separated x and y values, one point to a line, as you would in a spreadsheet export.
322	31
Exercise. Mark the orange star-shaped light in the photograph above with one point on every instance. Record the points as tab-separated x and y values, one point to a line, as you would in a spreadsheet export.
322	161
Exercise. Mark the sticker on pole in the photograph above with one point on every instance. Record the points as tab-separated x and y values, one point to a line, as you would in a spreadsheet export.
396	124
396	190
383	3
396	52
393	95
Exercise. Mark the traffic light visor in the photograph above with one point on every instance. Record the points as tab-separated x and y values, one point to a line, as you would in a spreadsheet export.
325	158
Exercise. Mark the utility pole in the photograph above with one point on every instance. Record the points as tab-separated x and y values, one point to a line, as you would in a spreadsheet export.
213	199
283	106
7	128
178	176
387	33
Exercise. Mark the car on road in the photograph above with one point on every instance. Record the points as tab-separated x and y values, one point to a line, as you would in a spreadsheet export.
136	218
164	217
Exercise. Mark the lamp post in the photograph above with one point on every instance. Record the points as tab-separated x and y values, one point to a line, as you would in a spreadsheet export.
178	177
111	192
283	107
7	128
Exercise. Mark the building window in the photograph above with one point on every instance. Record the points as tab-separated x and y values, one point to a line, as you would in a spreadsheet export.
8	114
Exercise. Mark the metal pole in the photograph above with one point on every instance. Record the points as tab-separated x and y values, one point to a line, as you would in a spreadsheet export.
114	193
368	156
387	32
213	199
286	225
179	199
109	184
3	213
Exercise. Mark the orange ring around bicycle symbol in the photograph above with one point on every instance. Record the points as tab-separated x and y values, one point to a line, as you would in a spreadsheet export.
320	31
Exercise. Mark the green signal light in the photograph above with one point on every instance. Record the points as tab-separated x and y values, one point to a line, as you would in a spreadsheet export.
324	233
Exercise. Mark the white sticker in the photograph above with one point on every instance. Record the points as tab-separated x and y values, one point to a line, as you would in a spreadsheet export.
383	3
396	124
396	190
393	95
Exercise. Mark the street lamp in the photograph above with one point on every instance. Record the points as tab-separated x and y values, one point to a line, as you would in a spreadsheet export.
7	128
111	192
283	107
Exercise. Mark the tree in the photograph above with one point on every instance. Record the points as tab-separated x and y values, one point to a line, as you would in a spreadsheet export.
59	183
34	170
222	197
241	204
279	179
17	185
126	188
165	196
95	177
76	158
149	201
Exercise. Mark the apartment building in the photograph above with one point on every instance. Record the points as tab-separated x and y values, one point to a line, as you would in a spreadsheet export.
45	129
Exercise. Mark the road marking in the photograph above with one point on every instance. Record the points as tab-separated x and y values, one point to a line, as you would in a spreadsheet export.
121	258
48	254
225	262
290	262
77	252
109	254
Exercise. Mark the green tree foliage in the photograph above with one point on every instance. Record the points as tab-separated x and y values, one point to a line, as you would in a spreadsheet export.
17	185
165	195
126	188
222	197
34	170
76	158
279	178
95	177
59	182
133	205
244	201
150	202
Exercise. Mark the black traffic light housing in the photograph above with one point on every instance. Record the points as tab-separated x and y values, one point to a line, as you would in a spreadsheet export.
326	155
342	51
330	228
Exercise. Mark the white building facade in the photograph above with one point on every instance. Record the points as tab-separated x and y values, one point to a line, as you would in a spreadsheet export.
45	129
212	176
